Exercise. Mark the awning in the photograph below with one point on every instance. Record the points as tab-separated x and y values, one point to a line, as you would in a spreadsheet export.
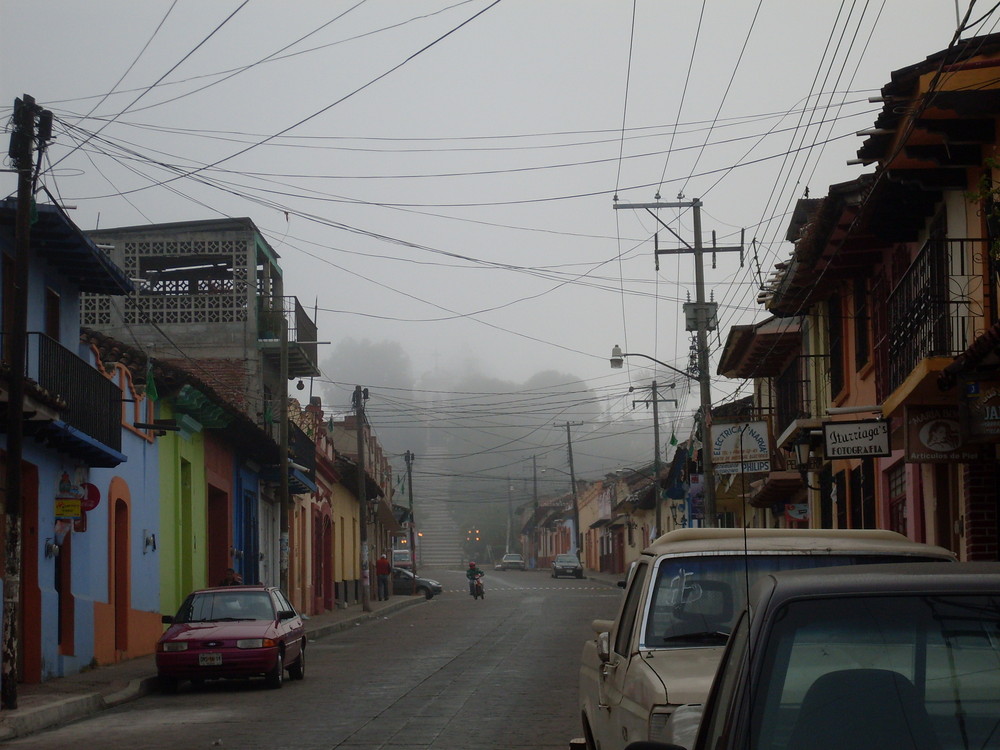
777	488
78	444
619	521
600	522
299	483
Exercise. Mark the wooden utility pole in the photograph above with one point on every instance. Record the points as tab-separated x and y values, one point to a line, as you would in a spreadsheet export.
577	534
284	501
22	146
410	458
359	417
656	456
701	317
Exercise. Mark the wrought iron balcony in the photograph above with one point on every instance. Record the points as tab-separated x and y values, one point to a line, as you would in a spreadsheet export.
302	347
91	427
794	396
936	308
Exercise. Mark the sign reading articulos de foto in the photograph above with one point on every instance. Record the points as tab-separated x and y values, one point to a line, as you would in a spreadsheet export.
858	439
741	447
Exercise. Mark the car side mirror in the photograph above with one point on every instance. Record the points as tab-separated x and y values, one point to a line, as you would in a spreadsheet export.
167	619
286	614
621	585
604	646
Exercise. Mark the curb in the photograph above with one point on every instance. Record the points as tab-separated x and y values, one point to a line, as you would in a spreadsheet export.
19	723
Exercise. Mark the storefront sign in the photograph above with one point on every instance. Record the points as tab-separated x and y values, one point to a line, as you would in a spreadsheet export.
980	412
741	447
860	439
67	507
933	435
797	512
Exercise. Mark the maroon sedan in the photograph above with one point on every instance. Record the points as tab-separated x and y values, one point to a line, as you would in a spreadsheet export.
232	631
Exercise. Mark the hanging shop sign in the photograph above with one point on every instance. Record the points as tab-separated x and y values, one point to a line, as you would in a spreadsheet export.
868	438
741	447
979	412
933	434
69	498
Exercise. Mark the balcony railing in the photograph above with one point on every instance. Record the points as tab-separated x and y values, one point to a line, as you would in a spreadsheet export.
935	310
794	396
95	403
302	347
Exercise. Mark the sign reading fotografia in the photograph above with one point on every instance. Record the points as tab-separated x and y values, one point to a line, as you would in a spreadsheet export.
867	438
741	444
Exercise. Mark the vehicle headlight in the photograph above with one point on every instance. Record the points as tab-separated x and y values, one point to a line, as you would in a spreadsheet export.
174	646
675	725
255	643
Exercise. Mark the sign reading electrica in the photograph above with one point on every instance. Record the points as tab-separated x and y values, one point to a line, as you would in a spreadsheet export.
741	447
866	438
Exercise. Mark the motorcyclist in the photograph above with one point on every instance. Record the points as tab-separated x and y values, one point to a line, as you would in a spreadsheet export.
472	574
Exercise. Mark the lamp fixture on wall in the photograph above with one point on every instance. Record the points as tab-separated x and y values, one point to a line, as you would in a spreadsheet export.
51	548
803	458
148	541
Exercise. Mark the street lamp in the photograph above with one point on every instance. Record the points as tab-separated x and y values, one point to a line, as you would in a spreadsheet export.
618	360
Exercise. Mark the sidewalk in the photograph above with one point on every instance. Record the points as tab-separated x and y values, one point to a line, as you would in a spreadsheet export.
65	699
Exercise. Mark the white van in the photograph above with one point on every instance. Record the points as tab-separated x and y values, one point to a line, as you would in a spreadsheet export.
401	558
683	596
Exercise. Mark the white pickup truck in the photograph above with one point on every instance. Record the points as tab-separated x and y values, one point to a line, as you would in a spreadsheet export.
682	597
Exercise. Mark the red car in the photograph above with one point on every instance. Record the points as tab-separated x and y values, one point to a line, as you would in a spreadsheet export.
232	631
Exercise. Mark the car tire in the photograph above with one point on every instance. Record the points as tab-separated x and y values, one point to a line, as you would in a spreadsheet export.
580	574
425	591
298	670
276	676
168	685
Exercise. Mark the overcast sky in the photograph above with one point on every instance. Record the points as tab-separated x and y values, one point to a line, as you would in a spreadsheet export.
441	174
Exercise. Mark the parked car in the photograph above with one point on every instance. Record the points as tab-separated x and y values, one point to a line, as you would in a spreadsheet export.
232	631
402	583
886	656
656	656
512	561
402	558
567	565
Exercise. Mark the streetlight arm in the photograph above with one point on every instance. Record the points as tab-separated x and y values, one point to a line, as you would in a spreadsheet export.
618	356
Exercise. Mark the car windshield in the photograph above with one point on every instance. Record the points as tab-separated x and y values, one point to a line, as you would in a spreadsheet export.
512	558
226	606
567	559
897	668
696	600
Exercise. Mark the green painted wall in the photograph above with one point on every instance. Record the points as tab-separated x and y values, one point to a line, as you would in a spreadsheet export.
183	514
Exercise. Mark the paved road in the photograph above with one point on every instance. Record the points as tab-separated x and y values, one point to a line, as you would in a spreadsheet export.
448	674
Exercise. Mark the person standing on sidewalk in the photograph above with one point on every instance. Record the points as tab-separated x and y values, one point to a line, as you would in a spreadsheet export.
383	570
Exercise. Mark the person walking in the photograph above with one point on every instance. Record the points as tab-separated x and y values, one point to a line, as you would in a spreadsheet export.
231	578
383	570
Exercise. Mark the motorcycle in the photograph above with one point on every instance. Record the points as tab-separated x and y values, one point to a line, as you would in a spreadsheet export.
478	592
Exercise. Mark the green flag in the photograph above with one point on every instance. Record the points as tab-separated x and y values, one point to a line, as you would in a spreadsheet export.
150	383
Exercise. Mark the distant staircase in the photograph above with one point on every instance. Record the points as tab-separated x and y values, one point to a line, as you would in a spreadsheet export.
440	546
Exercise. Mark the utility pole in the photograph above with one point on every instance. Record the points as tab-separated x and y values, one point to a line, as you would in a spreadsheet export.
22	146
284	503
701	317
360	395
656	456
410	458
509	513
577	535
534	494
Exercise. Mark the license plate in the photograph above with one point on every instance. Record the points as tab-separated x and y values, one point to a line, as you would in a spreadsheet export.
209	660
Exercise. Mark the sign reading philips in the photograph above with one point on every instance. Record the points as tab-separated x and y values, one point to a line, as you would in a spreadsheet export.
867	438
